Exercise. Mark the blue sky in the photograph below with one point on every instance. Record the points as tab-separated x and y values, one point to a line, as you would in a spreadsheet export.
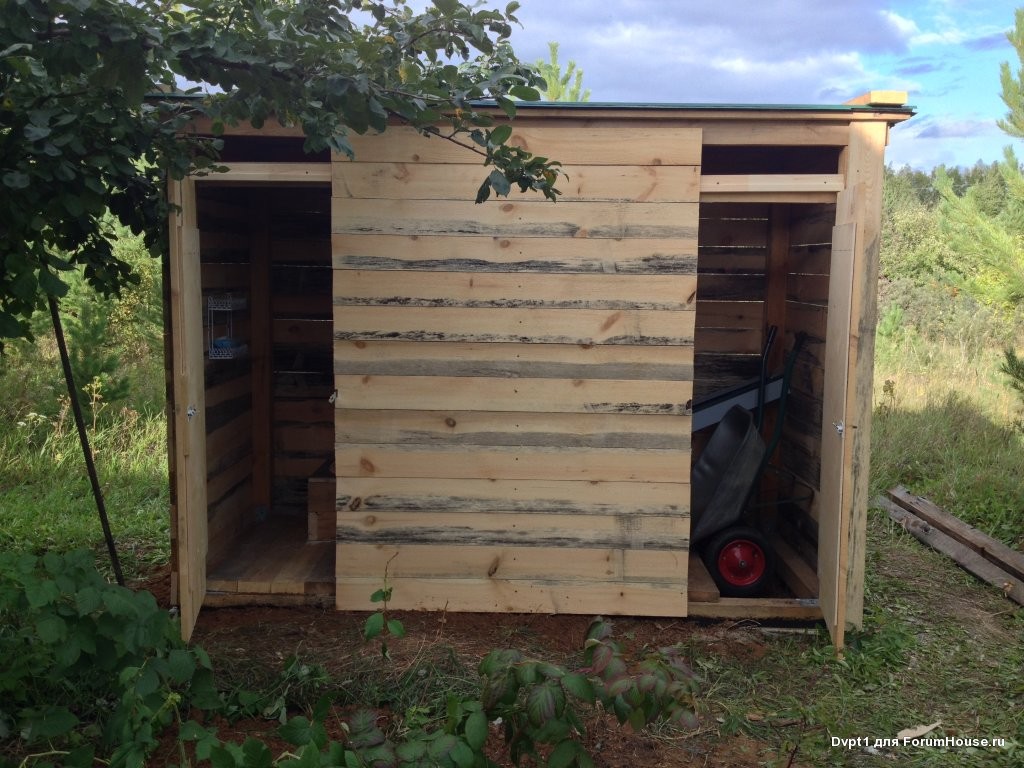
945	53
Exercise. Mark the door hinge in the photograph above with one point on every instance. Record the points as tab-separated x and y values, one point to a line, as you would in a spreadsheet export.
840	427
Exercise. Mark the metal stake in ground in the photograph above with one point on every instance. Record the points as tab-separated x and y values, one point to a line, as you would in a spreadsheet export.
83	438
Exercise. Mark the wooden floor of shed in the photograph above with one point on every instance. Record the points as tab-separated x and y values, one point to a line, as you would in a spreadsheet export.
274	559
274	564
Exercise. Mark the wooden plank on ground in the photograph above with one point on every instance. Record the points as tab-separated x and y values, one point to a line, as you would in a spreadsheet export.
964	556
1010	560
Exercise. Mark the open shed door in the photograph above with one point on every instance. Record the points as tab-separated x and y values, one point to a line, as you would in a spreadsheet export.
834	500
189	405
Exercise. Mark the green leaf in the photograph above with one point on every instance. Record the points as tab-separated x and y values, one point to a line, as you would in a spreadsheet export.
484	192
51	629
580	687
181	665
381	595
374	626
221	757
540	704
16	180
55	721
500	135
524	92
462	755
257	754
447	7
40	593
396	628
300	732
411	751
476	730
564	754
499	182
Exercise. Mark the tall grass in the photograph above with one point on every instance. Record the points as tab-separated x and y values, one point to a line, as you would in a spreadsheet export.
948	427
45	498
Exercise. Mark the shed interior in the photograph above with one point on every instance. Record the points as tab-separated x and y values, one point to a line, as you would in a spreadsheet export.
265	260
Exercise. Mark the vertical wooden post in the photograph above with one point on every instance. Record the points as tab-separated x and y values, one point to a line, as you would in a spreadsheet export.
865	167
261	349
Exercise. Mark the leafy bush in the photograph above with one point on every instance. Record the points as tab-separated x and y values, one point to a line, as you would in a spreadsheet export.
89	664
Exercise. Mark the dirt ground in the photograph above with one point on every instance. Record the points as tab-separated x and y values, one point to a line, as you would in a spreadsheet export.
257	640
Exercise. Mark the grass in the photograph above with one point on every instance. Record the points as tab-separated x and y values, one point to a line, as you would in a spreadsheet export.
46	501
949	428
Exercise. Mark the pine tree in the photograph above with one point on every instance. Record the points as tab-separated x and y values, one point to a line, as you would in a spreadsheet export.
567	86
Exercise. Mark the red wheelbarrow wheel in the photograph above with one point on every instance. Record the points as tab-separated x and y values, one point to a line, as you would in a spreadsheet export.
740	561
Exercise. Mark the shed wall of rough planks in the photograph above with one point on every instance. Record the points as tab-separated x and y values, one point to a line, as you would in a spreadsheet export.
513	379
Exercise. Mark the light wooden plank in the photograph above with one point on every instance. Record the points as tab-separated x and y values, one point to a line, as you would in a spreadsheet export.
610	142
279	173
535	326
587	430
515	218
778	198
864	161
439	393
515	596
514	290
556	361
485	497
425	181
749	608
880	99
835	441
798	132
426	561
775	182
516	529
468	253
511	463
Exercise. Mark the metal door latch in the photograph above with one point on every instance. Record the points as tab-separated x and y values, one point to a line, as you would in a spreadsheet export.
840	427
190	412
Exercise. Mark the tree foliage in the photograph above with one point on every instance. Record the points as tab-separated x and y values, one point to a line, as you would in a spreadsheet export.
561	86
91	109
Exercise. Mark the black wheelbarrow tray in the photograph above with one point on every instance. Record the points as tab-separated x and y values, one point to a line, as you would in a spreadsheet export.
737	556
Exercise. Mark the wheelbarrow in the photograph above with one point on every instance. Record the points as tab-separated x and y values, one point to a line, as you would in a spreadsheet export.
722	481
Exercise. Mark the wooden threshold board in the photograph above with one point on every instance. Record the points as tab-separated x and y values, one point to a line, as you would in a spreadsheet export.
274	558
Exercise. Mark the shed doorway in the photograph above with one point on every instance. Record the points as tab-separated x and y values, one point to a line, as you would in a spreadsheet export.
265	263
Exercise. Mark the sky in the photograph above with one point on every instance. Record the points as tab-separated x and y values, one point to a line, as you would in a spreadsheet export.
944	53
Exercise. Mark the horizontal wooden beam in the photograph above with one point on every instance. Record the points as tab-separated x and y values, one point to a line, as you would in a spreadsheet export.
773	182
278	173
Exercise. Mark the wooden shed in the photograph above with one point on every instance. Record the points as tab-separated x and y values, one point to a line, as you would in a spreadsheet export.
494	404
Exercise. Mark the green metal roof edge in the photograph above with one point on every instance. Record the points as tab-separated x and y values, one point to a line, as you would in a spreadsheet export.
698	107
